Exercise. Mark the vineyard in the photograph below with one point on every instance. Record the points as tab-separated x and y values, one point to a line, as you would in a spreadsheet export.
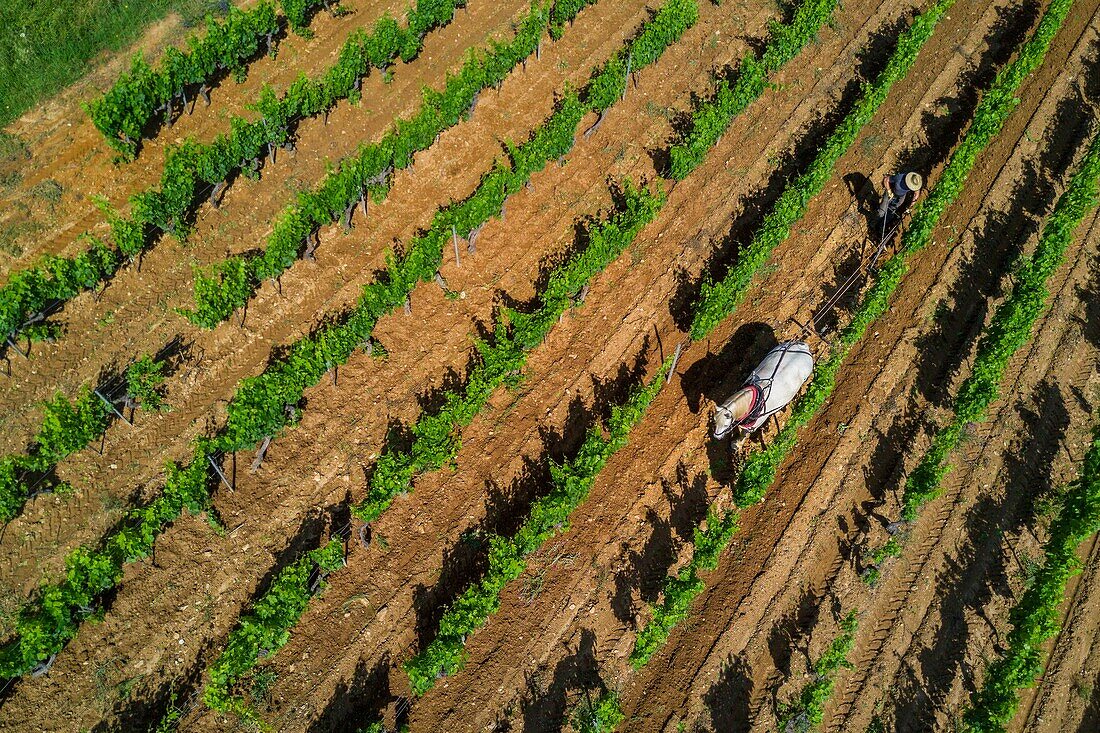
360	362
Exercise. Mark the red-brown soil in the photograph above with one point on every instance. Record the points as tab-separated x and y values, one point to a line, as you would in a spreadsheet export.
925	628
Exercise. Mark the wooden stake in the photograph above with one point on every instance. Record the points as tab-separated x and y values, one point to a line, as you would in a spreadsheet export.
454	240
18	350
626	86
675	359
112	407
220	474
471	243
260	453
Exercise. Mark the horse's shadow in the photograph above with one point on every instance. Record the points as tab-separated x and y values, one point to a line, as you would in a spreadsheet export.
716	376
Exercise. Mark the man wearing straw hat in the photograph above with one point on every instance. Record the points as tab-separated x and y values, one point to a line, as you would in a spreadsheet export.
897	191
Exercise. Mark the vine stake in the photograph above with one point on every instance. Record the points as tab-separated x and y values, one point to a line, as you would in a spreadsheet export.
221	475
111	406
258	461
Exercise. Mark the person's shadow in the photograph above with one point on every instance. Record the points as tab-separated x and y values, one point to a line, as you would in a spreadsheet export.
866	195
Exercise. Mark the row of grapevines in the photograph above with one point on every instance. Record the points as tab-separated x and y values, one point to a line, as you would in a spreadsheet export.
435	438
761	467
503	360
714	305
298	13
366	173
1007	332
808	710
66	428
190	165
46	624
124	110
266	627
718	300
1035	616
69	426
549	516
265	404
712	116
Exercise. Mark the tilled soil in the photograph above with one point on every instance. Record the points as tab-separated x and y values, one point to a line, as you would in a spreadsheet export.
571	620
218	359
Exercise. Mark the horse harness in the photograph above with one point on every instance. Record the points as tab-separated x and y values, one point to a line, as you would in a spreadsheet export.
761	389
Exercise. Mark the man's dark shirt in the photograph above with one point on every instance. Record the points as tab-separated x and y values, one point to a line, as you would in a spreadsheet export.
897	183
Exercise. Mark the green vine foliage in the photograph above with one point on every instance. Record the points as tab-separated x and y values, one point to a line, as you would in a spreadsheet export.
66	428
1008	331
191	166
52	617
436	437
53	278
145	383
549	516
298	12
368	173
601	715
808	710
1035	618
714	534
712	116
266	627
718	300
125	109
263	405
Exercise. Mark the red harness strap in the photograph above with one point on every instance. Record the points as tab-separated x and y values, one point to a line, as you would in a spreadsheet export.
753	412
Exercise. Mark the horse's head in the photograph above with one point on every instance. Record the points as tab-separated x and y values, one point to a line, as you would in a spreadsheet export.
731	412
723	421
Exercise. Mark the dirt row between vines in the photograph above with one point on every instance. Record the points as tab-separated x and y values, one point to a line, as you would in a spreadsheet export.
50	525
136	313
196	584
575	603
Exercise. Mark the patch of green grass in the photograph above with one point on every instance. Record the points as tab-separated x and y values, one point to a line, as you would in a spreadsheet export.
48	190
13	153
13	148
12	231
44	47
262	681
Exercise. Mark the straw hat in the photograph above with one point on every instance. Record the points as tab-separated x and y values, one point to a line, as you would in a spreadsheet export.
913	181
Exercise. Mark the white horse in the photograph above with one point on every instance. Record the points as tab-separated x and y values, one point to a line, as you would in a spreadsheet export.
771	386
